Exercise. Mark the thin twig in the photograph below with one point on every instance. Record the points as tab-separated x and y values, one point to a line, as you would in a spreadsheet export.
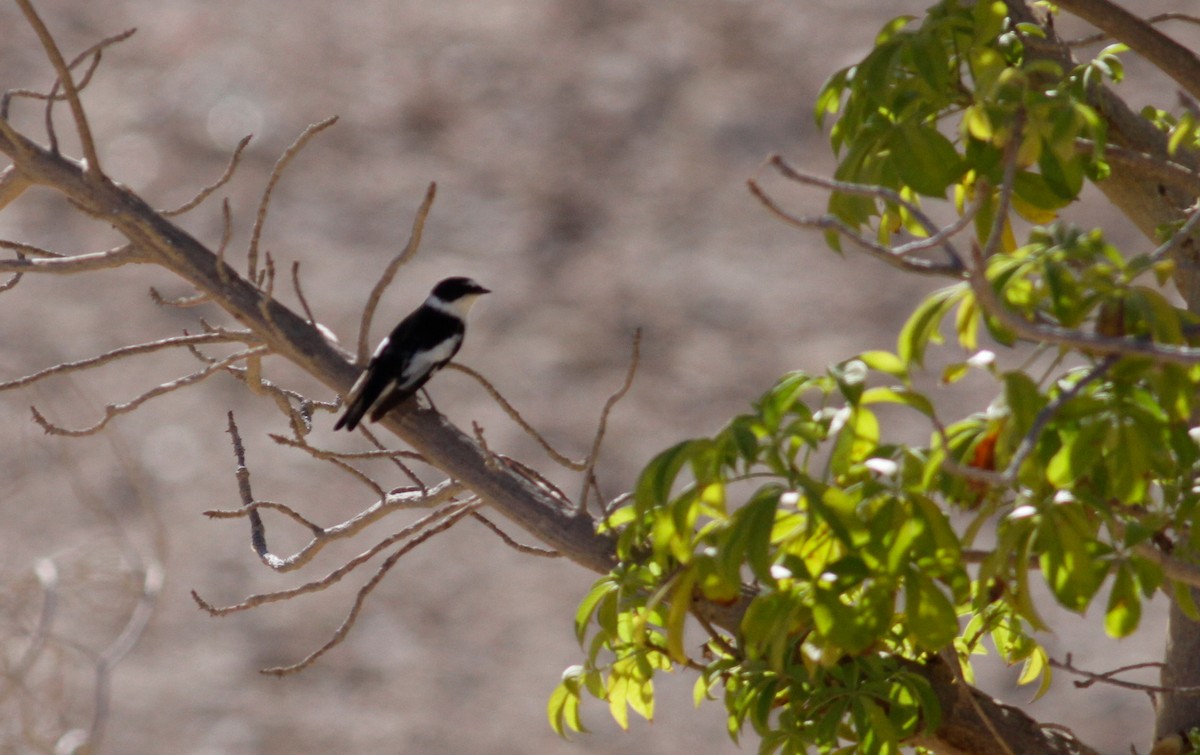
337	574
114	410
312	319
68	83
879	251
589	470
1158	18
516	417
276	173
182	302
128	351
79	263
396	457
207	191
258	533
1107	677
361	597
333	459
389	273
397	500
519	547
282	508
876	192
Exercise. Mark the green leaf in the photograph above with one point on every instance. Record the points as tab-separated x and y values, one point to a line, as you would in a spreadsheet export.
583	616
885	362
658	478
926	160
932	619
1024	400
922	326
1124	605
902	396
563	706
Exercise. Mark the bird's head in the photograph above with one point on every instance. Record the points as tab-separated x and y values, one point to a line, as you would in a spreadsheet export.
456	295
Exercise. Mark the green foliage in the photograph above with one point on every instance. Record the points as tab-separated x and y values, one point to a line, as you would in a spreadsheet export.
844	550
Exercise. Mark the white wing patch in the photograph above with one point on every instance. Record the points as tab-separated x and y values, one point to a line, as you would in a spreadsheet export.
424	361
379	349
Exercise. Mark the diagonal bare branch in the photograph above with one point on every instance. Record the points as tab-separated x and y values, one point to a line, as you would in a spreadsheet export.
389	273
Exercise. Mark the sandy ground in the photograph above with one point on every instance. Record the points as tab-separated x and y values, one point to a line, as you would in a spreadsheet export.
591	158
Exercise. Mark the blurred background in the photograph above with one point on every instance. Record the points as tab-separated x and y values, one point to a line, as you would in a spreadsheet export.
591	159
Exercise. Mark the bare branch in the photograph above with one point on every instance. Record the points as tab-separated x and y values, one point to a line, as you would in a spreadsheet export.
182	302
526	549
877	192
516	417
248	508
276	173
78	263
396	457
333	459
389	273
1158	18
366	589
13	184
92	159
1108	677
114	410
399	500
300	292
207	191
1146	166
589	471
128	351
451	510
1167	55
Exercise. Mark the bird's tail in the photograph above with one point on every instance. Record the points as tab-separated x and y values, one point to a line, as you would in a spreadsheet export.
353	415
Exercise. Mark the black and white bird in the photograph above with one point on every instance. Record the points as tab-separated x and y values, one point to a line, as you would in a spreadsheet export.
420	345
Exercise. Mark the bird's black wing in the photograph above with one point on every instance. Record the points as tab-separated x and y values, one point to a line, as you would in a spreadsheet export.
420	345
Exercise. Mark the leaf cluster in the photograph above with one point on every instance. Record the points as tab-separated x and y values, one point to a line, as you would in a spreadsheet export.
854	555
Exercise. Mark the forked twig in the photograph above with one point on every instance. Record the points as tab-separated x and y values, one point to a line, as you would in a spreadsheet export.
389	273
114	410
1108	677
128	351
423	524
69	88
366	589
405	499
